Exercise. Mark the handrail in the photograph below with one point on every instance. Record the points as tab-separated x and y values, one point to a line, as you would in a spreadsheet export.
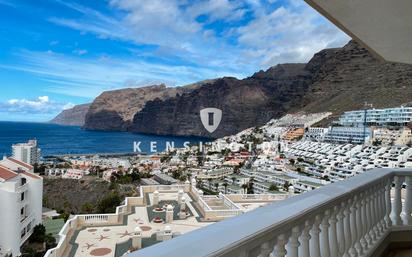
257	229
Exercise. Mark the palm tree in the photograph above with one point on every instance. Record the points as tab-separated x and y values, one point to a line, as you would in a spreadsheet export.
225	184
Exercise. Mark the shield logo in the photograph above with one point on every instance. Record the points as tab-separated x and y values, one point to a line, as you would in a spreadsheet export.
211	118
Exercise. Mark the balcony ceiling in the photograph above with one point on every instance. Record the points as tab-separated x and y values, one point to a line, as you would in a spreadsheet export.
382	26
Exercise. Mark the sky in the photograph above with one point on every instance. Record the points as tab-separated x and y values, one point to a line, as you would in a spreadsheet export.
56	54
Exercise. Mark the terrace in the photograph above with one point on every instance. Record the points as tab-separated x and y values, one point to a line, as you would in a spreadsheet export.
362	216
159	214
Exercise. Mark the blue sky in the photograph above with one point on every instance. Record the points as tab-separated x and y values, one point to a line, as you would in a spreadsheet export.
55	54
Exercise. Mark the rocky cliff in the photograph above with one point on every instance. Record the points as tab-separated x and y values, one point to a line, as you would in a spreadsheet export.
335	80
114	110
72	117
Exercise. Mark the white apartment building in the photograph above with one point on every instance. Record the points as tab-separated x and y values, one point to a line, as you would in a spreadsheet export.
352	135
387	136
26	152
399	116
316	134
21	194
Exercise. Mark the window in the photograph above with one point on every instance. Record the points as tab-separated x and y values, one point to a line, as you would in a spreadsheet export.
23	181
22	196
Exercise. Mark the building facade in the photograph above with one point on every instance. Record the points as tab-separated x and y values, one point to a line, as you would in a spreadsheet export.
399	116
21	194
26	152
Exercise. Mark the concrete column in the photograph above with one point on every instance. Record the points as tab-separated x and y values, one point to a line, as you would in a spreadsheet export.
169	214
368	219
372	234
376	228
363	240
156	198
397	205
137	238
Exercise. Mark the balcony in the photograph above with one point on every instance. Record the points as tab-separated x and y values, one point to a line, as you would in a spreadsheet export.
361	216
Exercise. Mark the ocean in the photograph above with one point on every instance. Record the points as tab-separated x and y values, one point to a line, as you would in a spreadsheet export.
57	139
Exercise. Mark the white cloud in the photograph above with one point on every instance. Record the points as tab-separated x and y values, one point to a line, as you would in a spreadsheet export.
80	51
41	105
290	33
81	77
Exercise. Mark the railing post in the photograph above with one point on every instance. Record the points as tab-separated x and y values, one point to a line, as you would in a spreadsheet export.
397	205
293	244
364	241
376	210
304	250
315	237
382	207
359	225
353	228
369	208
334	252
266	249
408	201
388	203
347	230
325	234
341	230
280	250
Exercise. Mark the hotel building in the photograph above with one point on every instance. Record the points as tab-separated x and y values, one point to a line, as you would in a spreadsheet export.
26	152
400	116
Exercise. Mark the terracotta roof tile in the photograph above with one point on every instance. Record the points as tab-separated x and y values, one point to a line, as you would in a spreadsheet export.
7	174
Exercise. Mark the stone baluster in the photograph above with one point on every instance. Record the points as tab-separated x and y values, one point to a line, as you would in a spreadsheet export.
407	218
397	205
353	228
382	207
280	249
293	244
304	250
376	227
388	203
368	235
341	230
334	252
325	249
315	237
359	225
364	222
373	234
347	229
266	249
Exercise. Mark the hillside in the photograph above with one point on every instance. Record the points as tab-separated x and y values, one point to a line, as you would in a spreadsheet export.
114	110
72	117
334	80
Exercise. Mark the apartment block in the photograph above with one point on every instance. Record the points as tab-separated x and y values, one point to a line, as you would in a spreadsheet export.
21	193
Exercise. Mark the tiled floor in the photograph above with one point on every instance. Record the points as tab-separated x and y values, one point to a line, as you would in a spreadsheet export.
101	241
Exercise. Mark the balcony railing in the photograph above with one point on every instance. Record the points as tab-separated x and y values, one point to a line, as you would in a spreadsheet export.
347	218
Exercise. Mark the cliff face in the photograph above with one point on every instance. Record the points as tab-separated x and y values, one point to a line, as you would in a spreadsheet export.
72	117
244	103
334	80
114	110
